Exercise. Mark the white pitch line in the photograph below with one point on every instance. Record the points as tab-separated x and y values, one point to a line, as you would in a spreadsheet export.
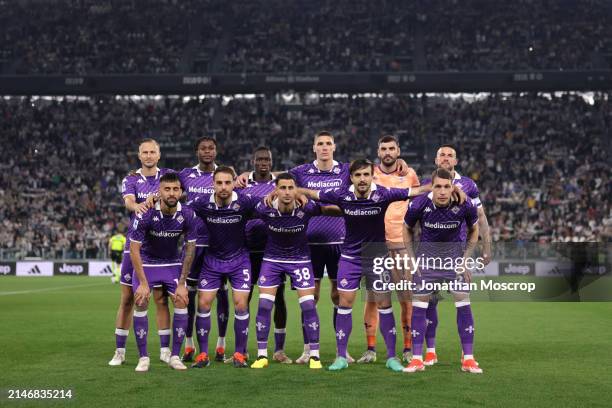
21	292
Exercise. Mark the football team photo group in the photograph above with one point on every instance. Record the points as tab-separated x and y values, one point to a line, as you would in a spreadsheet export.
198	234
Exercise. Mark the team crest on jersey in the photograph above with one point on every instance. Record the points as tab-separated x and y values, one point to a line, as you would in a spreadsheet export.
336	170
375	197
156	218
203	282
344	282
236	207
180	219
300	214
455	210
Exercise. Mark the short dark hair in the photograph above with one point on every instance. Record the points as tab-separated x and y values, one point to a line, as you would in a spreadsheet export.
224	169
323	133
388	139
441	173
449	146
170	178
204	139
284	176
262	149
360	164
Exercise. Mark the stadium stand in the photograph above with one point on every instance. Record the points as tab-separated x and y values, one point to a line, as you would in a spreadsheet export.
541	161
264	36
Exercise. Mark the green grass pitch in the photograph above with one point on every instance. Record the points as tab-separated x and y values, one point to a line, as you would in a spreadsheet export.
59	333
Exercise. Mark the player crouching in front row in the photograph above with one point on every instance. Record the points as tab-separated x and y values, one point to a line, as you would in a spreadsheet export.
441	221
157	261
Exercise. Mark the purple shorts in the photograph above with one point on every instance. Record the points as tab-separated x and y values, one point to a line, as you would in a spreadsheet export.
165	275
127	270
429	276
273	274
237	270
349	274
196	265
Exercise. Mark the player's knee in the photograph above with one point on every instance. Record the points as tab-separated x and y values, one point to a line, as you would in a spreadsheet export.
127	302
241	305
307	303
179	304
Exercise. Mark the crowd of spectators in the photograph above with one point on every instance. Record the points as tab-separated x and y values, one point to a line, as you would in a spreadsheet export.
298	36
265	36
112	36
481	35
541	162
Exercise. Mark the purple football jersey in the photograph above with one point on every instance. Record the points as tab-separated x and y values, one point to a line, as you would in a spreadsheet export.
470	188
440	226
225	225
364	217
324	229
159	234
287	238
255	228
196	183
140	187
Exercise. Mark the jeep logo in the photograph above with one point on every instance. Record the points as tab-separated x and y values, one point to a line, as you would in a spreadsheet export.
75	269
516	268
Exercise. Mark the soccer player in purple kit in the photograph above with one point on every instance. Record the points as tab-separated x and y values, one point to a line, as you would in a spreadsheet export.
287	253
325	234
157	261
225	213
441	238
363	206
196	181
260	183
446	158
135	189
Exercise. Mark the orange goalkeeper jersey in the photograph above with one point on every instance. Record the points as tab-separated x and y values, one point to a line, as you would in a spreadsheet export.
394	217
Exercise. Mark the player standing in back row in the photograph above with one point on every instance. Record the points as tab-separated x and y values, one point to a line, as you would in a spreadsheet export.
386	174
135	189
